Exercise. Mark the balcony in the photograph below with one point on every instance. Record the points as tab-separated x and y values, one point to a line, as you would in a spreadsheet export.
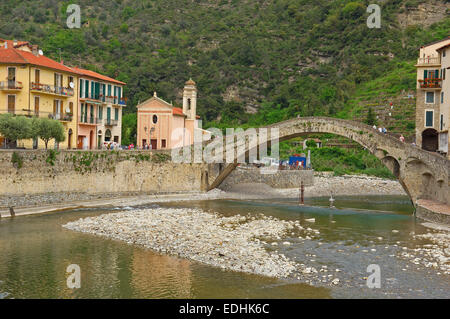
115	100
63	117
11	86
429	61
109	122
88	120
51	89
432	83
122	101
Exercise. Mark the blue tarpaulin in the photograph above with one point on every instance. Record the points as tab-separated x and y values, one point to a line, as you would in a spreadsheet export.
294	160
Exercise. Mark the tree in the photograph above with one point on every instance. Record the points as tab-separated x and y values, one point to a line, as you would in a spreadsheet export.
371	118
47	129
15	128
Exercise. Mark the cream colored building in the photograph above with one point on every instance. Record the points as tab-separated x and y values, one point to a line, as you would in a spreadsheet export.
433	97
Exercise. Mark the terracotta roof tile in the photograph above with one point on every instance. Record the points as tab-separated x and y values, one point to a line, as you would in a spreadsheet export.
96	75
11	55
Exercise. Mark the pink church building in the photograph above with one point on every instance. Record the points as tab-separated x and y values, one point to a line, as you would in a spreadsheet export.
164	126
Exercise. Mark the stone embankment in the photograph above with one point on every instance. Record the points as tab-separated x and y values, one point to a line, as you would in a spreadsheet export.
232	243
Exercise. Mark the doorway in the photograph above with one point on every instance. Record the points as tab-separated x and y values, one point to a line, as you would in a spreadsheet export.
70	133
154	143
430	140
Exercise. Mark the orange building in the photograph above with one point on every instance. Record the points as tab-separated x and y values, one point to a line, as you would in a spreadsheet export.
163	126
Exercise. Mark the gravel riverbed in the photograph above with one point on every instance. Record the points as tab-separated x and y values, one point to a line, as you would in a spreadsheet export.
235	243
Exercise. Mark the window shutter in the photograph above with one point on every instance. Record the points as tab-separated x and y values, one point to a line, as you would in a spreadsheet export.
86	86
425	73
81	88
54	106
436	73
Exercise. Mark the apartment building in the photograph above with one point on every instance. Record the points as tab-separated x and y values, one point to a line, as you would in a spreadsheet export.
433	97
100	109
34	85
88	104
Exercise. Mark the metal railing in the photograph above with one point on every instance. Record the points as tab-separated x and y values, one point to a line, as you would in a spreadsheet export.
47	88
431	83
109	122
63	117
82	119
429	60
11	85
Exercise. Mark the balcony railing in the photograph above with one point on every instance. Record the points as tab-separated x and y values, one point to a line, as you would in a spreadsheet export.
429	60
63	117
115	100
11	85
434	83
88	120
109	122
47	88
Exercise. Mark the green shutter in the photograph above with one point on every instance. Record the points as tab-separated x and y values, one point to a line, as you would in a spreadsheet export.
425	73
97	90
116	114
436	74
86	86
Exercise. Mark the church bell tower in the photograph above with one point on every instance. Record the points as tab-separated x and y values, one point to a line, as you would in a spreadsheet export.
190	99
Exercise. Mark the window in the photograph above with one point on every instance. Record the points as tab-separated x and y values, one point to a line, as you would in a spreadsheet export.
109	89
37	76
57	109
100	112
163	143
443	53
11	103
86	88
429	97
36	105
441	125
116	114
429	118
81	87
442	97
155	119
70	80
92	114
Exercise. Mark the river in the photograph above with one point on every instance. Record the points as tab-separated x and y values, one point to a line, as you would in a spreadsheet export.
35	251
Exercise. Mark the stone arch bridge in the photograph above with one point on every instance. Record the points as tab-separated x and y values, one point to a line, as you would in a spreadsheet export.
423	174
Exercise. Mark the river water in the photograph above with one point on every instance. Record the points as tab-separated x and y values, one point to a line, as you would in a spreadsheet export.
36	250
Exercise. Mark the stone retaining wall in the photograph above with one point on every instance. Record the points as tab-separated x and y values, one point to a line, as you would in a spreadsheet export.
40	171
279	179
432	216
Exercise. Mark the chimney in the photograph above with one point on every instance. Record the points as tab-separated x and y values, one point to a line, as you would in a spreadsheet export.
35	49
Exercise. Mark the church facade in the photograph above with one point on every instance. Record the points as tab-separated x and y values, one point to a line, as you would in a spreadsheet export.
160	125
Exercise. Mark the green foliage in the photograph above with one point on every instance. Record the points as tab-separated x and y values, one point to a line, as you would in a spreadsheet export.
48	129
14	128
51	157
311	144
371	118
340	161
17	160
129	126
